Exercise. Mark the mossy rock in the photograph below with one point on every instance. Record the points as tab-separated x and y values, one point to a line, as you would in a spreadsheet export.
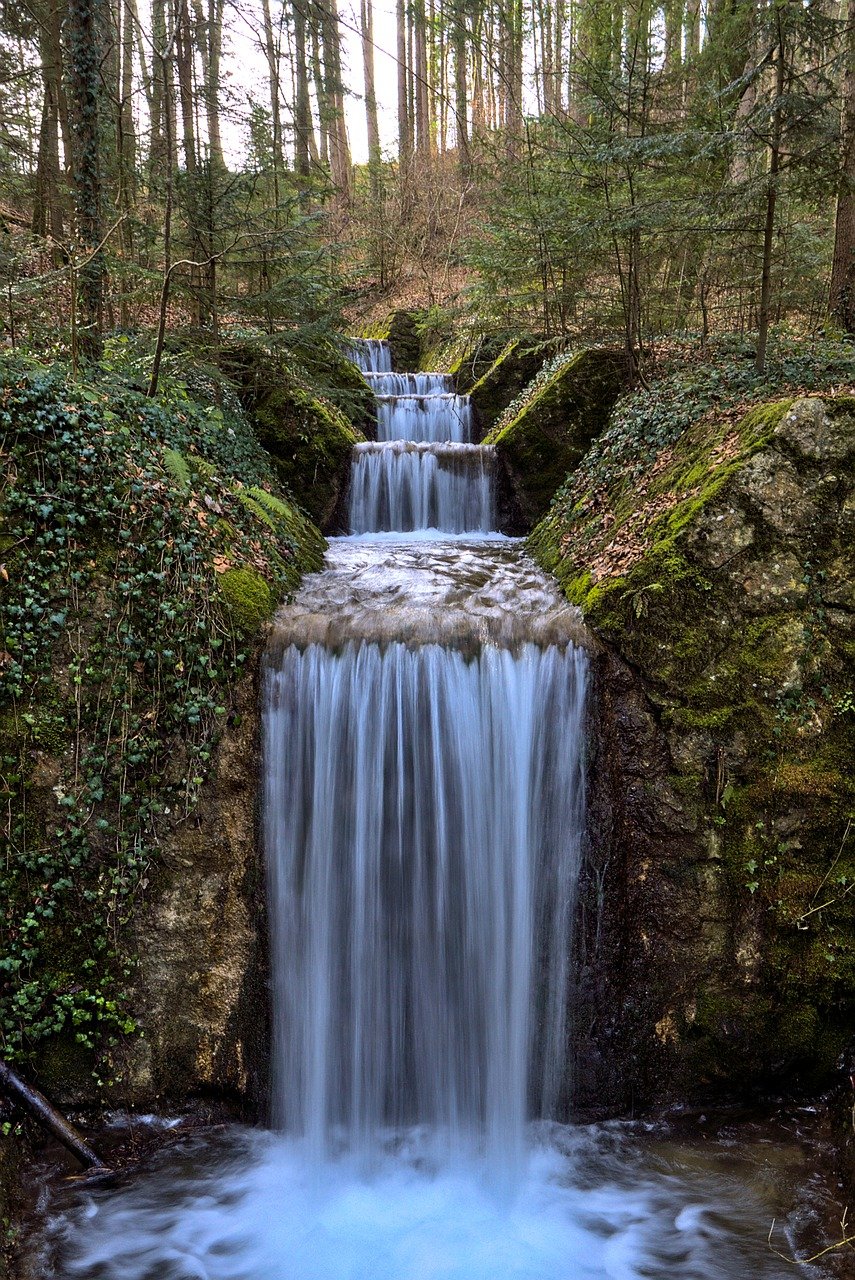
549	436
475	358
715	572
401	330
248	597
501	383
310	441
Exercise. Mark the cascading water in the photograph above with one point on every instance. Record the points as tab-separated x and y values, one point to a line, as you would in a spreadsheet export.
424	713
402	487
424	472
424	818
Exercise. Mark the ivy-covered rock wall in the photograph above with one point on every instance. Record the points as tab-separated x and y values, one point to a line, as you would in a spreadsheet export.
143	546
716	565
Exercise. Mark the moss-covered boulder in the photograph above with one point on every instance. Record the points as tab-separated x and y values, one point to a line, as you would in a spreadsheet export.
545	436
501	382
401	330
309	439
719	573
473	358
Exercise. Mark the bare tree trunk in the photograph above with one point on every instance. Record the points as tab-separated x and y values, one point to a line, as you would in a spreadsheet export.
371	122
420	80
461	96
272	53
841	299
209	40
405	133
339	149
304	133
84	36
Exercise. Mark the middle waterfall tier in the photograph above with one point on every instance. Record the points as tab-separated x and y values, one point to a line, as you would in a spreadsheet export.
403	486
429	417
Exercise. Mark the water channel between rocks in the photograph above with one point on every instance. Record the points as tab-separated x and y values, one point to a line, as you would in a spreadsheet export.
426	705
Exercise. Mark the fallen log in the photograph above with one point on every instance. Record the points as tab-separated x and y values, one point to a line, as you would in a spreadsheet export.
48	1116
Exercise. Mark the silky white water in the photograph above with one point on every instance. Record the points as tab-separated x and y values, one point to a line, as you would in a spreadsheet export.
424	471
425	705
401	487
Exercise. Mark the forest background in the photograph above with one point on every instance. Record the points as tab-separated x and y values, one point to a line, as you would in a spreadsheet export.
557	168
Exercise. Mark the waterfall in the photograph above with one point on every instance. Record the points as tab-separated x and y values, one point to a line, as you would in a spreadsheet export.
424	707
401	486
371	355
423	815
448	483
428	417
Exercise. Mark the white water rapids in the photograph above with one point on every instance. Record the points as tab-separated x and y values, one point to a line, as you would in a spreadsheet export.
424	810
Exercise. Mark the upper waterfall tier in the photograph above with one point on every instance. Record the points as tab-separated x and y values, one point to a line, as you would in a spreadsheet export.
409	384
401	486
370	354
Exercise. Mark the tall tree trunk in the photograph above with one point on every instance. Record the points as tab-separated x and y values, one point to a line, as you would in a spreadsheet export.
209	39
420	79
405	136
184	64
461	96
272	53
771	200
841	299
47	198
340	164
304	133
371	122
84	34
320	83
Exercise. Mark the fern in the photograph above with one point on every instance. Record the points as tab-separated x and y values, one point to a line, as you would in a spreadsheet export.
176	464
245	496
271	503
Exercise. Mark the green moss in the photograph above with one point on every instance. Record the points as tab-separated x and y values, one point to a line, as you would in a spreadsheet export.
549	435
659	561
502	381
401	330
250	601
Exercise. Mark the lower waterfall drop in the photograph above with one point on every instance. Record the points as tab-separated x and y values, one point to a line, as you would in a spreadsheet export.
424	814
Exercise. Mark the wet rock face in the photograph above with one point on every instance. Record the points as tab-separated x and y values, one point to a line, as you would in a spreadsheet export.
719	919
200	988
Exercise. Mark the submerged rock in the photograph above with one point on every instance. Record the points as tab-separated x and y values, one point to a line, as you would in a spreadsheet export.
723	855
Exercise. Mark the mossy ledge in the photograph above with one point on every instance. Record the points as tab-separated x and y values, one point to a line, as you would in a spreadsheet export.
548	435
309	439
721	580
401	330
502	381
